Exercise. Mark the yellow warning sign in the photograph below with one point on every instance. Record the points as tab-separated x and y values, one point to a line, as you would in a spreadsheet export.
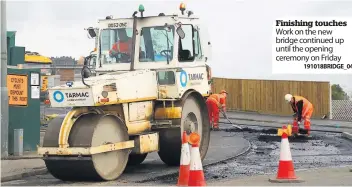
44	83
17	86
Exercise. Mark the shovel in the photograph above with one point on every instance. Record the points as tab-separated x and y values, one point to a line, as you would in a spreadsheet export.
229	120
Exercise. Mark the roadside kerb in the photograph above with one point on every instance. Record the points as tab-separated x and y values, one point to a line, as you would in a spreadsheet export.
22	157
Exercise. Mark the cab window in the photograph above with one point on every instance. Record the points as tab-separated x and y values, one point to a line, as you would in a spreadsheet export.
156	44
197	45
189	47
166	77
116	45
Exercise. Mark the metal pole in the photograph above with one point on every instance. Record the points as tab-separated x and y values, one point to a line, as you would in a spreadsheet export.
4	95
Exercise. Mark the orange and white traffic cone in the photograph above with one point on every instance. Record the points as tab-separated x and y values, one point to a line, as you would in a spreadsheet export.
196	175
184	162
286	172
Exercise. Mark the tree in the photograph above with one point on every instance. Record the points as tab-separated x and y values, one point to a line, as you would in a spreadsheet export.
337	93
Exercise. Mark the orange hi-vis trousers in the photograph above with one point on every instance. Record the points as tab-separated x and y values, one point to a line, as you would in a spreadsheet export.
306	116
213	112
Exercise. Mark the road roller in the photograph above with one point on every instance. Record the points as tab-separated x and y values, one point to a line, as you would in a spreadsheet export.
149	85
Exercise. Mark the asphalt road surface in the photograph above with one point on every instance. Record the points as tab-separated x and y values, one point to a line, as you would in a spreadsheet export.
222	147
222	162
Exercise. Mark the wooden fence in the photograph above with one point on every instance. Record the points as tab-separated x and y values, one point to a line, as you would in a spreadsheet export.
267	96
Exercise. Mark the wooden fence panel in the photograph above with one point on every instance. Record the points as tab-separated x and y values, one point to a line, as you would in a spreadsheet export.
267	96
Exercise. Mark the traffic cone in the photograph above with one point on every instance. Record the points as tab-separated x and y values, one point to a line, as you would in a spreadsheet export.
184	163
286	172
196	175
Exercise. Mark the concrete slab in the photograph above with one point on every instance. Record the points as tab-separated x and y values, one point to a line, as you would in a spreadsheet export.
315	177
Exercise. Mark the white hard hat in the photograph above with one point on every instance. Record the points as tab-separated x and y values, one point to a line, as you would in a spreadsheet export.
288	97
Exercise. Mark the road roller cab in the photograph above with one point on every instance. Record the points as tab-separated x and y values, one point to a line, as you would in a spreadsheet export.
150	83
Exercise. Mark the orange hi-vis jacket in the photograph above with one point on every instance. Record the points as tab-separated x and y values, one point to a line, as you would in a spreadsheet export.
122	47
301	106
219	99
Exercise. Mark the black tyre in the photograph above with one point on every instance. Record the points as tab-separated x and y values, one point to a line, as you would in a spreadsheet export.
194	119
136	159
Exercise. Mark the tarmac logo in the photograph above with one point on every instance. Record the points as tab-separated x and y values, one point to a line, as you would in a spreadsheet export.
196	76
75	95
58	96
183	78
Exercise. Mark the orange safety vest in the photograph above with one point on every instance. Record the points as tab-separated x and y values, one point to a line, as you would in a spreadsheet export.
306	104
220	99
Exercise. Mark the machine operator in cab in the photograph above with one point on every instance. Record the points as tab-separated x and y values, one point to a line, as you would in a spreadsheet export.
303	109
122	47
216	102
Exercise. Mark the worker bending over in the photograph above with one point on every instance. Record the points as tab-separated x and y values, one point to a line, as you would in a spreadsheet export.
214	103
303	109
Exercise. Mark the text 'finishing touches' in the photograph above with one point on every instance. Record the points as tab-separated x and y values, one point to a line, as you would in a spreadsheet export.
310	24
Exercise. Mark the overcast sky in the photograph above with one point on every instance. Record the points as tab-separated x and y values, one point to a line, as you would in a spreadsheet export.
240	31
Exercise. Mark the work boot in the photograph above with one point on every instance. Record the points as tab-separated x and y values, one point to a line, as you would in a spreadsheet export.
307	128
216	128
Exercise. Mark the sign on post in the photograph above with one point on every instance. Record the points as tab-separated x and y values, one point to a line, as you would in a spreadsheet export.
17	86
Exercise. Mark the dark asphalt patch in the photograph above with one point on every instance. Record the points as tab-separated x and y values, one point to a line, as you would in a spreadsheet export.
253	130
275	138
270	134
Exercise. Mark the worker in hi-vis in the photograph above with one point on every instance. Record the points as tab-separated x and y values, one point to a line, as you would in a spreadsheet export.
214	103
123	45
303	109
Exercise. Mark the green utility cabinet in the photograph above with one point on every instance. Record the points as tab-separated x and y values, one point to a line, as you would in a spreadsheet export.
14	53
24	99
11	40
24	106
